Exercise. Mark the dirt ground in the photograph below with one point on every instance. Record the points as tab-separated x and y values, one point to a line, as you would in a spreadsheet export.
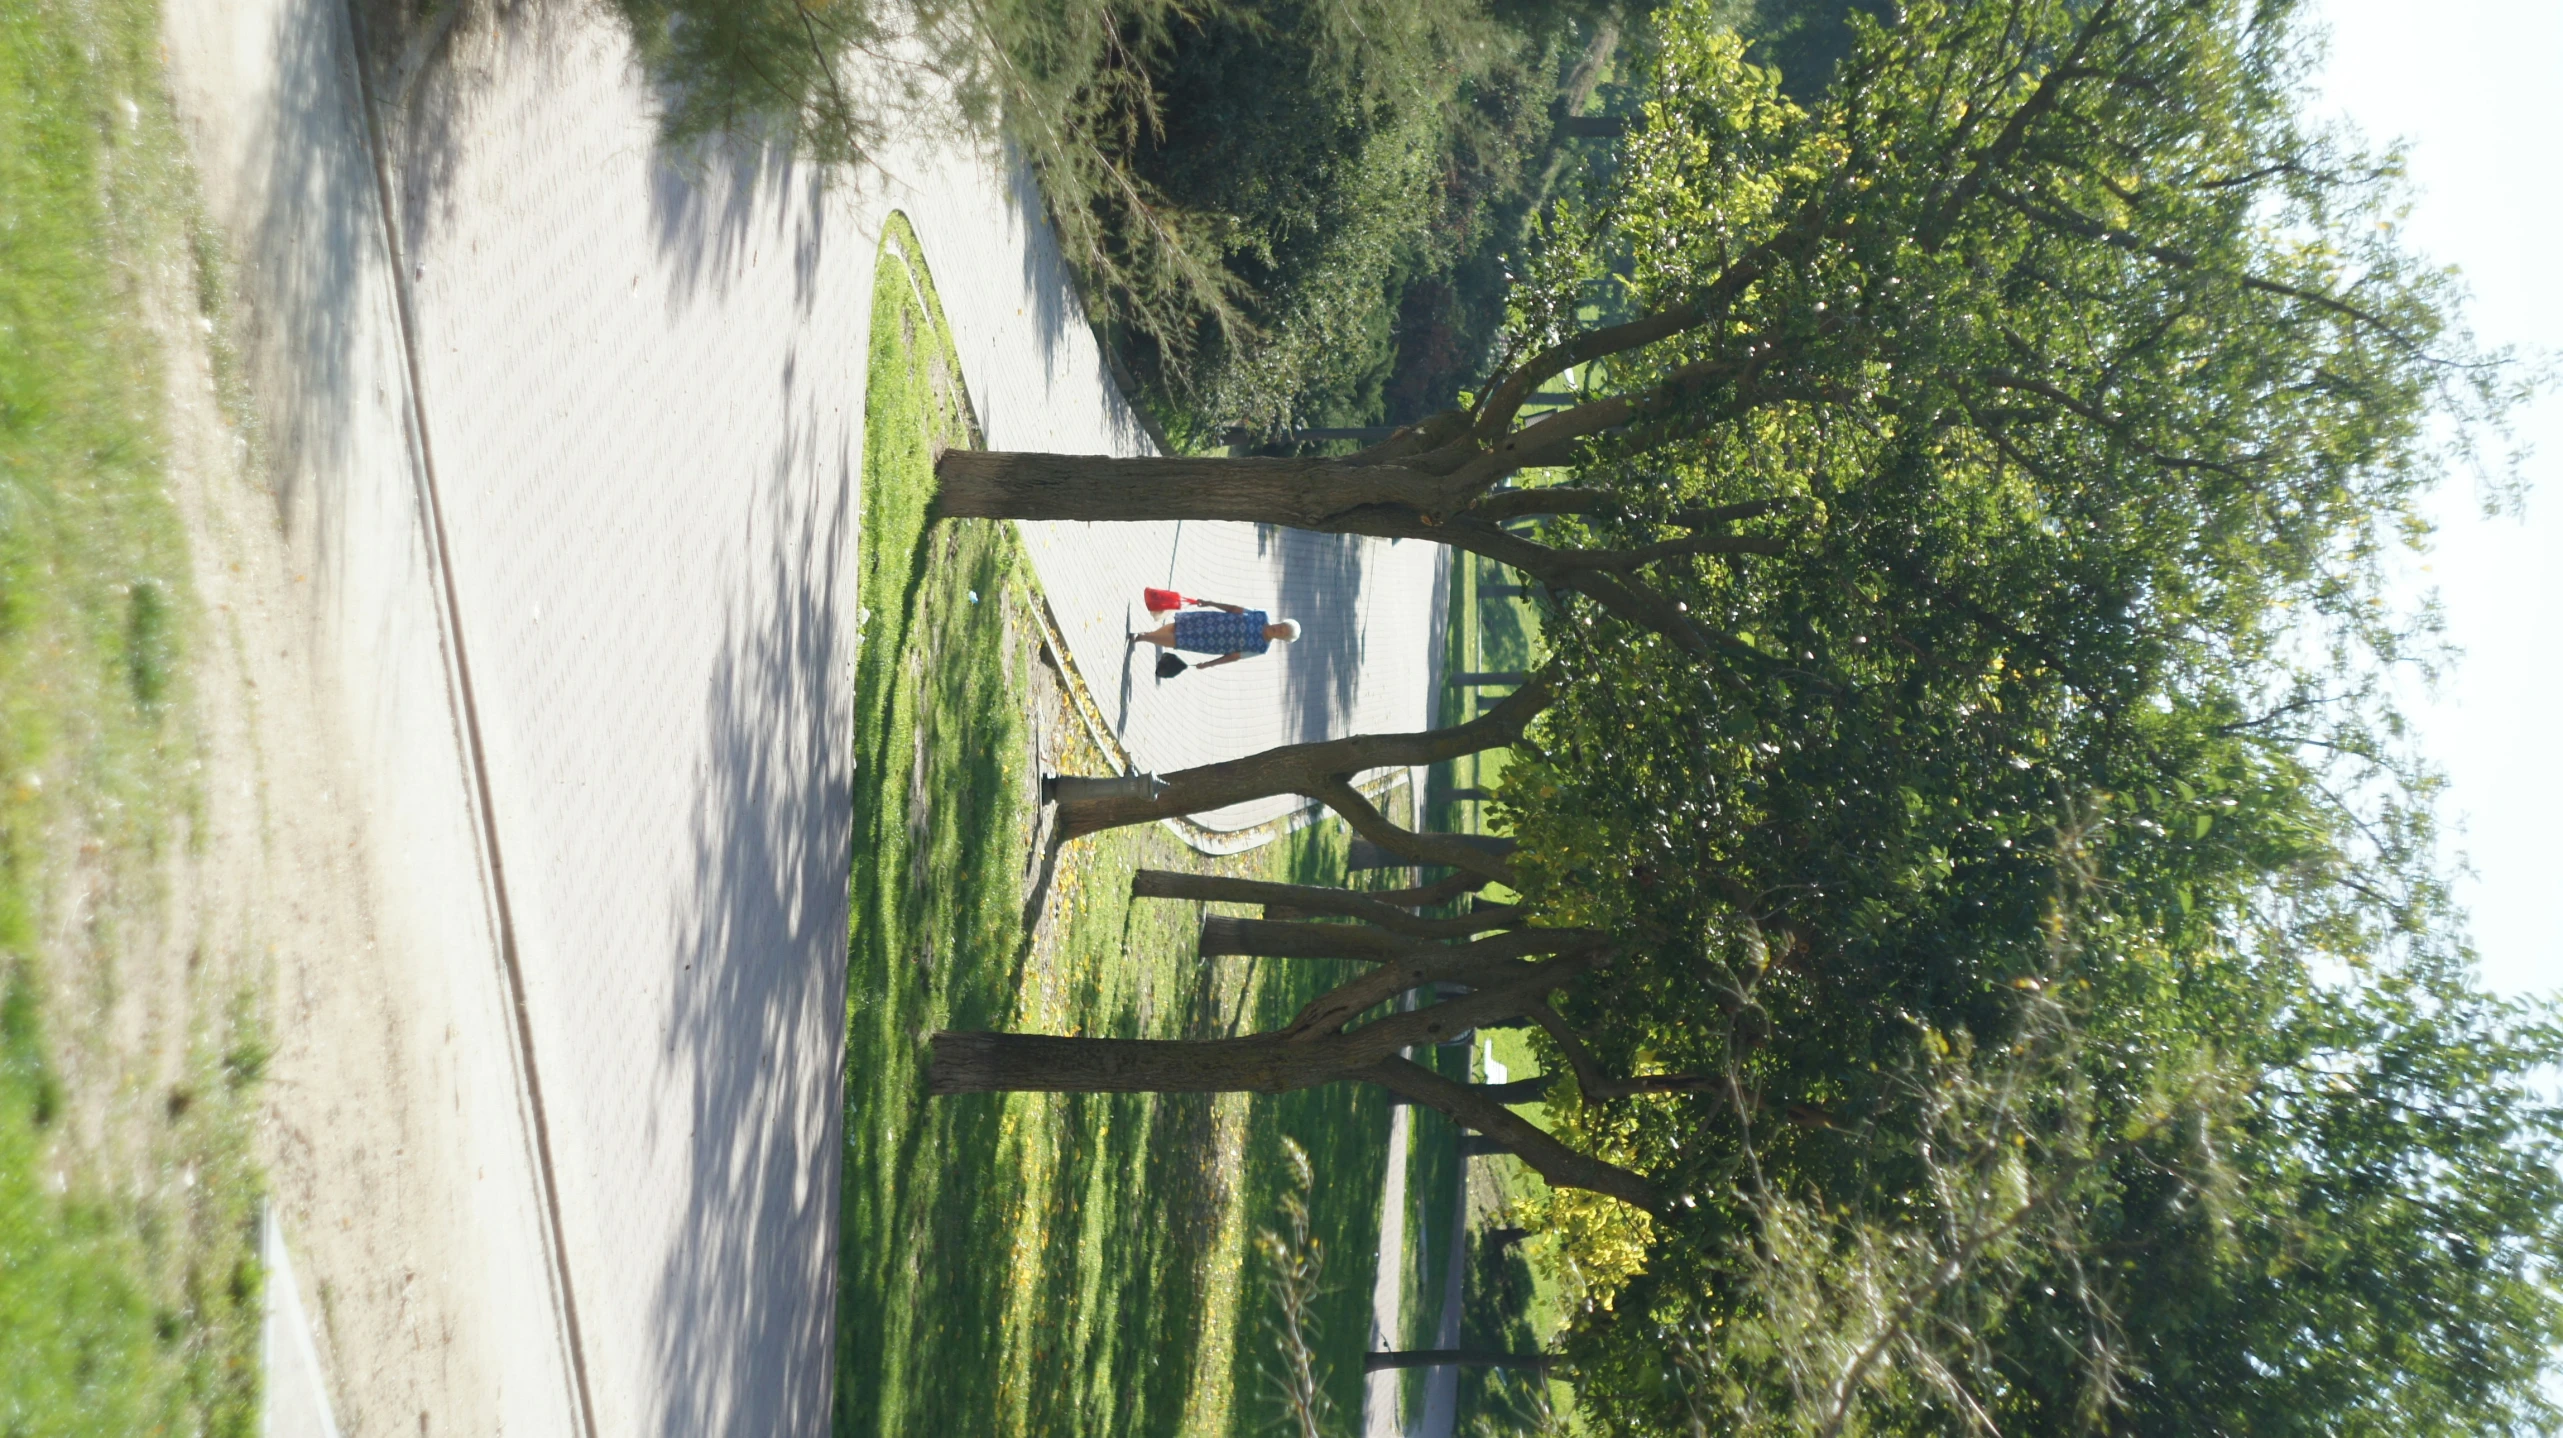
276	886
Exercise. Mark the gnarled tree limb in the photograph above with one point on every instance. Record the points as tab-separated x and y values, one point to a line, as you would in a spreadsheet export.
1548	1157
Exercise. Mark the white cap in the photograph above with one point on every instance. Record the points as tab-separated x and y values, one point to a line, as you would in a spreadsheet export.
1289	628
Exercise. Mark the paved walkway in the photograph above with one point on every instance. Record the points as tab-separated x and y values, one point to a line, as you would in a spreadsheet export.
1371	611
641	386
396	1124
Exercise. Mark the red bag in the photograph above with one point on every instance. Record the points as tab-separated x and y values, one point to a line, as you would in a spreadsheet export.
1161	600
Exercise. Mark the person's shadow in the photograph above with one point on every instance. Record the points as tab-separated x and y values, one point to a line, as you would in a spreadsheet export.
1129	657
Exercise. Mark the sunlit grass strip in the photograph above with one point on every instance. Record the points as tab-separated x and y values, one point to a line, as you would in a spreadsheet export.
128	1286
1212	1388
1037	1264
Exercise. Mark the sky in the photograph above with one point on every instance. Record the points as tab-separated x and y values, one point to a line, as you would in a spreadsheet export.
2474	90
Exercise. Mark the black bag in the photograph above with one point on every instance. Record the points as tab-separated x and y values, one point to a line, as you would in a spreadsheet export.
1168	666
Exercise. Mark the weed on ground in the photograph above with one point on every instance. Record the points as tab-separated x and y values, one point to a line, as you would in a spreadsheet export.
129	1290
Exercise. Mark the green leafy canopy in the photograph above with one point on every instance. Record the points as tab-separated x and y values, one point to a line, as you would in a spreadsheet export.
2086	384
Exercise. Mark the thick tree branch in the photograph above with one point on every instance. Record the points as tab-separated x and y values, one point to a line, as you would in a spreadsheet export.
1643	607
1504	504
2015	131
1588	1073
1445	850
1491	963
1426	436
1266	938
1804	229
1645	554
1380	908
1553	439
1262	1063
1506	994
1301	768
1632	602
1542	441
1549	1158
1597	1085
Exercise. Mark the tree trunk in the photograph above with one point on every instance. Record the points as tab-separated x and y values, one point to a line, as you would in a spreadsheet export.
1392	910
1307	768
1402	489
1367	855
1042	1063
1046	1063
1265	938
1528	1142
1454	1358
1278	1063
1263	1063
1330	494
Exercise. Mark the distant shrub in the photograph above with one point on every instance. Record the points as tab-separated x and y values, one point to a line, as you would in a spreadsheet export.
1282	213
1339	185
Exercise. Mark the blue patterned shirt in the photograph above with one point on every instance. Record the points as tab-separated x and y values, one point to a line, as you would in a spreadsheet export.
1216	631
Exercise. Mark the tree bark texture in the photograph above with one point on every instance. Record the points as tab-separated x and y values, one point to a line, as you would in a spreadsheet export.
1264	1063
1268	939
1318	1048
1391	910
1367	855
1423	483
1316	493
1044	1063
1309	769
1528	1142
1041	1063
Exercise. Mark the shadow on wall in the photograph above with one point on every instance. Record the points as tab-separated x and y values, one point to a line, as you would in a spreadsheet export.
744	1307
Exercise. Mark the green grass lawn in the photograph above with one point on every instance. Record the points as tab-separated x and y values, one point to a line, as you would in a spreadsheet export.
128	1289
1039	1264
